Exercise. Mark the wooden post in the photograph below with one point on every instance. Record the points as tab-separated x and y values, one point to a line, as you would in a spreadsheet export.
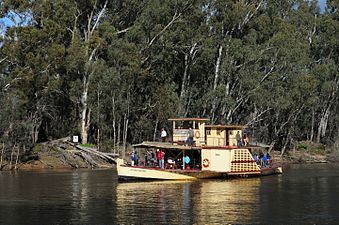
183	159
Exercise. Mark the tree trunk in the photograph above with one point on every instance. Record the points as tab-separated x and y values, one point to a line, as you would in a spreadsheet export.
17	158
119	133
98	120
126	121
323	124
216	78
36	121
2	154
125	134
114	124
155	129
92	25
312	126
271	146
189	57
286	142
85	113
10	163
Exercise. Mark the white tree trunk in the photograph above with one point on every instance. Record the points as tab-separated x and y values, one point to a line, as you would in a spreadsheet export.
216	78
119	135
84	113
92	24
126	122
114	125
323	124
155	129
125	134
189	57
312	125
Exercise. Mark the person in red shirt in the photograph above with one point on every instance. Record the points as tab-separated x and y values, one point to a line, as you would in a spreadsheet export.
162	159
158	157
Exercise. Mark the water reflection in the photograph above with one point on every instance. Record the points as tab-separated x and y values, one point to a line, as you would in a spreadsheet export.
226	201
216	201
162	202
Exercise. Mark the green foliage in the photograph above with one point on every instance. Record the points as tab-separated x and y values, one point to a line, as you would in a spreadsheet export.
88	145
311	148
273	66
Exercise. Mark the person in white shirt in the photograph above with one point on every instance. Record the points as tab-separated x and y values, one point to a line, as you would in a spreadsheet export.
163	134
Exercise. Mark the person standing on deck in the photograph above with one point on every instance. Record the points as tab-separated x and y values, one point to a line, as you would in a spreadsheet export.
238	138
162	159
190	137
158	155
134	158
245	140
163	134
187	161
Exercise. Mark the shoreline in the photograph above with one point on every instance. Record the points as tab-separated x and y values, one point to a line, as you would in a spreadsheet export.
59	162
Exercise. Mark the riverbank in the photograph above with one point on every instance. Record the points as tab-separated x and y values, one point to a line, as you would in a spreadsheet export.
61	154
308	152
57	154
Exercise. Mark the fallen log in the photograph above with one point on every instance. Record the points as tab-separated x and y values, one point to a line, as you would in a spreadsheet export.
95	152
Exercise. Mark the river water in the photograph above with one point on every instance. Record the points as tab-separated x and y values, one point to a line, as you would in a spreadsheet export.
304	194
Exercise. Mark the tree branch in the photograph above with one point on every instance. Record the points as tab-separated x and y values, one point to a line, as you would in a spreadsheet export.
174	18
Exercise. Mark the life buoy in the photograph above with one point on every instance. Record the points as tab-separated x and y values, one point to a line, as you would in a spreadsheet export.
205	163
197	134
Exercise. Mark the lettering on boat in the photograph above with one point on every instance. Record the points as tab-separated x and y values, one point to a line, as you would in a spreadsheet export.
136	170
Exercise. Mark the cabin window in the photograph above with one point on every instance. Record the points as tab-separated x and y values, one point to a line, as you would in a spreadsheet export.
184	124
218	131
208	131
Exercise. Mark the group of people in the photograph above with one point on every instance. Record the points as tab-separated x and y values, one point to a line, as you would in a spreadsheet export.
242	141
263	159
151	159
157	159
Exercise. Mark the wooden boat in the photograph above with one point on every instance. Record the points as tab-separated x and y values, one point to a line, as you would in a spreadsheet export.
214	154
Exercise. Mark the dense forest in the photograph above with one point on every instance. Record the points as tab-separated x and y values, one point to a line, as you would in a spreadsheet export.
114	71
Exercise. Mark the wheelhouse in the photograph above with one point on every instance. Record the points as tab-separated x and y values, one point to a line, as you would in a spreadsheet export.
181	127
223	135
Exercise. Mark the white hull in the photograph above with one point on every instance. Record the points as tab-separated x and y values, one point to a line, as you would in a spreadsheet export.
130	172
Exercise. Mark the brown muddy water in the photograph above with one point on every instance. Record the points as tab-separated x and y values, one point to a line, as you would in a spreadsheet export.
304	194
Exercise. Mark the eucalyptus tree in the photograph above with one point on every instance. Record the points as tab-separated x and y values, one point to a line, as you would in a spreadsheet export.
32	53
153	56
326	54
228	21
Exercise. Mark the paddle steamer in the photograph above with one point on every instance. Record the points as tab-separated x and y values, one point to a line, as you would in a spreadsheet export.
214	153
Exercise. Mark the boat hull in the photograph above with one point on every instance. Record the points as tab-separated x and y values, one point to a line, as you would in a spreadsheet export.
131	172
271	170
126	172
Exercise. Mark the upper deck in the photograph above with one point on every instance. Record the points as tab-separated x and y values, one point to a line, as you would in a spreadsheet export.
205	134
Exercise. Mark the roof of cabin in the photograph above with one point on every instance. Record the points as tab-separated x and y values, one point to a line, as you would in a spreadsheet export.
188	119
163	145
226	126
